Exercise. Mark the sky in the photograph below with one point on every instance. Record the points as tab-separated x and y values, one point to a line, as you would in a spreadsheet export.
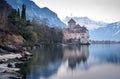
98	10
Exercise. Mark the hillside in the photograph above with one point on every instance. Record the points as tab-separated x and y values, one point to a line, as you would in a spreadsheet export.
41	13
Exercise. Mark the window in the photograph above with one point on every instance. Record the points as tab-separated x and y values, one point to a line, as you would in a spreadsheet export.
82	36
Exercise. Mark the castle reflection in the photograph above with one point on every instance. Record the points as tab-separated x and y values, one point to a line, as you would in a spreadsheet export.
75	55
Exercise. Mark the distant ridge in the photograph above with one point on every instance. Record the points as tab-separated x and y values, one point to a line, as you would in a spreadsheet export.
34	11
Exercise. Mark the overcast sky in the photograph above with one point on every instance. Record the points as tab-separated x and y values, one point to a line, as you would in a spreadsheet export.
99	10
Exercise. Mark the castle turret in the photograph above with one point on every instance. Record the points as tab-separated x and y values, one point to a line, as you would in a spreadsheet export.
71	23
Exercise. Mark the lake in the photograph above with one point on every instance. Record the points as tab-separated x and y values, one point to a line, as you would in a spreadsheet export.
97	61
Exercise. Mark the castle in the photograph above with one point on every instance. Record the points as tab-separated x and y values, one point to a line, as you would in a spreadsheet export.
75	34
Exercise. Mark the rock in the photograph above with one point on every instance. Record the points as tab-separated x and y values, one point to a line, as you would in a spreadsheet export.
15	77
9	65
10	48
1	62
3	51
24	49
27	53
17	64
12	75
9	56
23	59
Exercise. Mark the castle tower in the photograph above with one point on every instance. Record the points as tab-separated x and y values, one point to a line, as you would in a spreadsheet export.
71	23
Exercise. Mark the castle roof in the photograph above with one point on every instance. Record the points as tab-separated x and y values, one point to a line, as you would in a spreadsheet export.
77	26
71	21
83	29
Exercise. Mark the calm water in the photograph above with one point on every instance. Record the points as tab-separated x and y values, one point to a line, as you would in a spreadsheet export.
75	62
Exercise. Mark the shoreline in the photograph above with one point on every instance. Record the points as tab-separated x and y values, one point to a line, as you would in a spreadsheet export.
10	60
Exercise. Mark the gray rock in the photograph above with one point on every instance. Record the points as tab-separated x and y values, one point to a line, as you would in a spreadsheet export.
3	51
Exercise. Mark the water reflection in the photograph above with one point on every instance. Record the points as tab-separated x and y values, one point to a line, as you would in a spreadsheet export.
45	62
75	55
75	62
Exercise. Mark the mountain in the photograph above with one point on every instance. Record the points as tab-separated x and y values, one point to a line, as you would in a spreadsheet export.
7	8
33	10
99	30
110	32
90	24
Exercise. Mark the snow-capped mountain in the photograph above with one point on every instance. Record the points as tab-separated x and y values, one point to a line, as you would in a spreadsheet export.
90	24
110	32
99	30
33	10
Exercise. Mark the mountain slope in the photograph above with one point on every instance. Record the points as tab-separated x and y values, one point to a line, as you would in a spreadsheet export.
5	7
110	32
33	10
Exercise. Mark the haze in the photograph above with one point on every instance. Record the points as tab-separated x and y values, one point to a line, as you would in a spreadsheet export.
99	10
